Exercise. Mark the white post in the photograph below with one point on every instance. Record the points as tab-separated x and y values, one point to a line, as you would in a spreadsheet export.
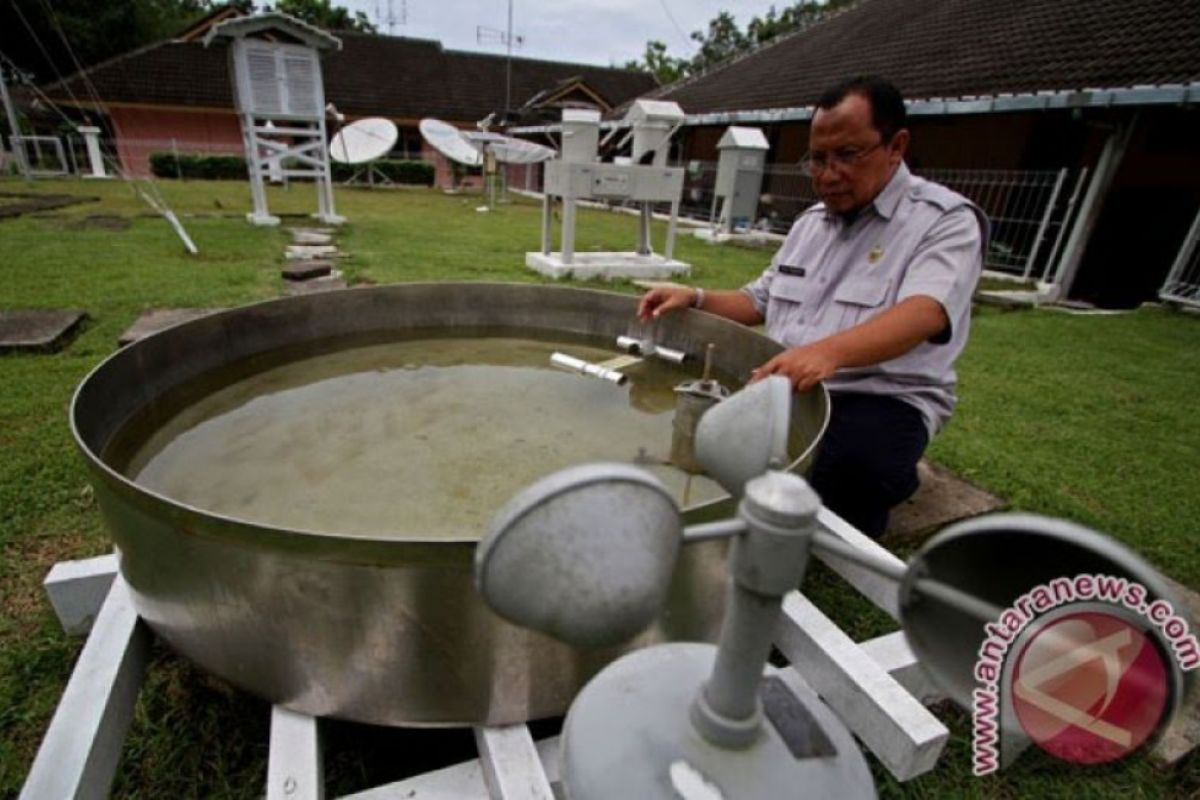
82	747
328	213
568	230
91	136
261	215
1041	231
18	149
1171	288
669	251
294	768
1089	212
274	163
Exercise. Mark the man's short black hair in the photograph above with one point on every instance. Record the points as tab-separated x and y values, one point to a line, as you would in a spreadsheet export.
887	105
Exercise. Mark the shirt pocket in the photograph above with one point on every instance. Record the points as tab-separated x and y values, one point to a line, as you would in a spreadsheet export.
863	292
858	300
788	289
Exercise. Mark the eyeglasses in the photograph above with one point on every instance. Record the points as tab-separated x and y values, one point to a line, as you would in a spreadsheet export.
841	160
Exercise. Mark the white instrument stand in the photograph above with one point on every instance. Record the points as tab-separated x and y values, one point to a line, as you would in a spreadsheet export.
876	688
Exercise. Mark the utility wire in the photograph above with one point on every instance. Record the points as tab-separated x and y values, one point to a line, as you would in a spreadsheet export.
682	34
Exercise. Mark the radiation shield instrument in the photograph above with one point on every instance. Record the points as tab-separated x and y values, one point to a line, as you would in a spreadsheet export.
363	140
665	718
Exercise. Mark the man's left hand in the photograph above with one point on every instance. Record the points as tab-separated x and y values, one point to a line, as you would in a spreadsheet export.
804	366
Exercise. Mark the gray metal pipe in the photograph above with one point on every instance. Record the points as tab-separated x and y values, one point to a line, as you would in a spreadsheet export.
649	349
573	364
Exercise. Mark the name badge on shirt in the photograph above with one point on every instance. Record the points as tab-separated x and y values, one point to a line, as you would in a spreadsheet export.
788	269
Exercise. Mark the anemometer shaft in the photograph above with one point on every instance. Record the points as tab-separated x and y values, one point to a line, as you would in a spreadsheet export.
779	511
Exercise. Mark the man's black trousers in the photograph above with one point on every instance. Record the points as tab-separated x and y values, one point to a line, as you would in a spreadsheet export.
867	462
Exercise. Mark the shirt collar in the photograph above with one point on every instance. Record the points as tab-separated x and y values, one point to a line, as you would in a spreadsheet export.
889	197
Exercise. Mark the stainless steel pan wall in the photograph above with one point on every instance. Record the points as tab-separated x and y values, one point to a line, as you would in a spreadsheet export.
382	631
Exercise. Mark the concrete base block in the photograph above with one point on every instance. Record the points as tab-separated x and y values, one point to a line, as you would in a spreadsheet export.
325	284
307	252
158	319
1183	735
942	498
310	237
38	331
607	266
262	220
306	270
751	238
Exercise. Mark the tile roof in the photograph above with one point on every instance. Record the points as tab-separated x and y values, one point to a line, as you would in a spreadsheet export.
372	75
962	48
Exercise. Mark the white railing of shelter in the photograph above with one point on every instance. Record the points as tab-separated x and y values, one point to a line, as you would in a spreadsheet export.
1183	281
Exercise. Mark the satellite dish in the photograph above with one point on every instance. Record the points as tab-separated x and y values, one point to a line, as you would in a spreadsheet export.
450	142
509	150
363	141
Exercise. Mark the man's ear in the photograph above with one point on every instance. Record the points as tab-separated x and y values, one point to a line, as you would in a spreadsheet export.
898	146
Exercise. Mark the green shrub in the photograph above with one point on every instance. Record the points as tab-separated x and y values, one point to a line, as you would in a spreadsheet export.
397	171
202	166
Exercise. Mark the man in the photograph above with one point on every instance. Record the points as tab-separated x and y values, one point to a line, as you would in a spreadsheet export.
870	293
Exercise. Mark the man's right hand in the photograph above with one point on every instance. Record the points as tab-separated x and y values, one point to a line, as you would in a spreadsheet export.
659	300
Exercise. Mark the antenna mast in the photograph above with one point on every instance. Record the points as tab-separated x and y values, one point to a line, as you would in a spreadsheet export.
392	19
486	35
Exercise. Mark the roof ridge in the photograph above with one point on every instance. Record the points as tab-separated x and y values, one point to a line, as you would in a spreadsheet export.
111	60
755	49
480	54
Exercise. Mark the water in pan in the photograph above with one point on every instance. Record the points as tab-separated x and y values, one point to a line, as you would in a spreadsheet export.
420	439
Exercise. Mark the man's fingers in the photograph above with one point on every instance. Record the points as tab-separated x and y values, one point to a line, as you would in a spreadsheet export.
647	303
768	368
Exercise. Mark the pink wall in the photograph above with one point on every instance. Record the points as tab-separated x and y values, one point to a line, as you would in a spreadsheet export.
142	131
443	178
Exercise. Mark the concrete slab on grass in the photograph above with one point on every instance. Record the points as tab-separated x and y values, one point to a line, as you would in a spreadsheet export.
306	270
1009	298
1183	735
943	498
310	237
38	331
749	238
326	284
157	319
307	252
609	266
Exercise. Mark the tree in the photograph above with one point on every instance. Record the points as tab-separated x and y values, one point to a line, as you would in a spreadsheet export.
665	68
723	40
49	40
324	14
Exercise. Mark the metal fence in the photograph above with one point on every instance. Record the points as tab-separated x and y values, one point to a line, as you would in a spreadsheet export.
1183	281
44	155
1029	210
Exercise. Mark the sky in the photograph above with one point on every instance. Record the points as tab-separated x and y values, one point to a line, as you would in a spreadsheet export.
599	32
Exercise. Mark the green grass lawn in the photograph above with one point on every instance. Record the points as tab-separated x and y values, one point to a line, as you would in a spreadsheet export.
1086	417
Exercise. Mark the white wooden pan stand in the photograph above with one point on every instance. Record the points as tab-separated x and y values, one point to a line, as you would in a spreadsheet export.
876	687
